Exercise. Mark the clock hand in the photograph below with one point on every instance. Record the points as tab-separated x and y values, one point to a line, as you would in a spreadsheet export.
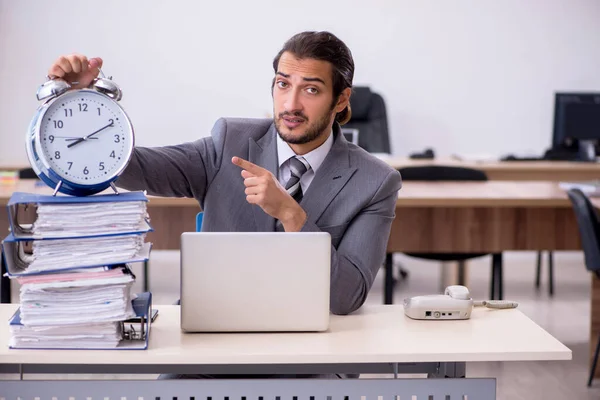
67	138
90	135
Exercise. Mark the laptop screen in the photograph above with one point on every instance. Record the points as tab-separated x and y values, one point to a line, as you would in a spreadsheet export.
351	135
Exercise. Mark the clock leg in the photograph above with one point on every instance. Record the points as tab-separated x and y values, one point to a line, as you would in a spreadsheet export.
57	188
114	188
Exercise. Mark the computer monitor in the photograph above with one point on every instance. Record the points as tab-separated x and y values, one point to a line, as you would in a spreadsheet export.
577	124
351	135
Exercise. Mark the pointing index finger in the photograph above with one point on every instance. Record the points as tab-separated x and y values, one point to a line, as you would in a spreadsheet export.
248	166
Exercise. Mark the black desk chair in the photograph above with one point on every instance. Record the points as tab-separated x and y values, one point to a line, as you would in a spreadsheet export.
446	173
589	231
538	272
369	116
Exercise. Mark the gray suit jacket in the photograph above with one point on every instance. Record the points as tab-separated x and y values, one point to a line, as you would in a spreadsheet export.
352	196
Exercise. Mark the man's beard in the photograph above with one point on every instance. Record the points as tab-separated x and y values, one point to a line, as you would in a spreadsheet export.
314	130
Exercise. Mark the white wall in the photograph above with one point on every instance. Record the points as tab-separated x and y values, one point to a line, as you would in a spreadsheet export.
466	76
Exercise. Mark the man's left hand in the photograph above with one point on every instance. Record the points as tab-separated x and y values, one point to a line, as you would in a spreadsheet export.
264	190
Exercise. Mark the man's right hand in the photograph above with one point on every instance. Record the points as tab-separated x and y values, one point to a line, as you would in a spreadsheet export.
76	68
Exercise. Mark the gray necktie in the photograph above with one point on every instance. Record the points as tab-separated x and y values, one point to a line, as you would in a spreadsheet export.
297	169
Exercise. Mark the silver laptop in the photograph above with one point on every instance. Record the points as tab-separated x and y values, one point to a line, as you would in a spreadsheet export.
255	281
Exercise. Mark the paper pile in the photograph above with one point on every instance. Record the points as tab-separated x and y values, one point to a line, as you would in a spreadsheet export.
72	265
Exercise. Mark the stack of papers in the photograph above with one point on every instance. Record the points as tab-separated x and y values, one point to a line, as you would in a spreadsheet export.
49	255
60	298
86	336
72	265
80	309
69	217
55	220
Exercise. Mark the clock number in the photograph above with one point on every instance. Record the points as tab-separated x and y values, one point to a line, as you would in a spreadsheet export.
82	107
85	170
57	155
117	139
58	124
101	166
98	110
68	112
70	164
112	154
51	138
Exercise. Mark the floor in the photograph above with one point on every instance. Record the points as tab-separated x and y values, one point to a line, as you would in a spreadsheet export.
565	316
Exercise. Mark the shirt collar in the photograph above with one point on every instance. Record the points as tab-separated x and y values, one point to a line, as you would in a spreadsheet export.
314	158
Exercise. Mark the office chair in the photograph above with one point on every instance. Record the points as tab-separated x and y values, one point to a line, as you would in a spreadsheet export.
369	116
199	217
589	232
538	273
447	173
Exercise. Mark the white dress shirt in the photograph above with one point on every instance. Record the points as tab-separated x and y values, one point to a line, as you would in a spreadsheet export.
314	159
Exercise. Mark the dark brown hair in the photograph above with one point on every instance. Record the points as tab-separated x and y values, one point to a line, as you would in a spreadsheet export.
324	46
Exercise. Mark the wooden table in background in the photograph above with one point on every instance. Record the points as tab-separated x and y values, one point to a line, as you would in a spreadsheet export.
513	170
490	216
497	170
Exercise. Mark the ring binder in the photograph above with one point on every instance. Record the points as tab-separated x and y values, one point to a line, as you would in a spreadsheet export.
17	260
23	209
132	338
142	306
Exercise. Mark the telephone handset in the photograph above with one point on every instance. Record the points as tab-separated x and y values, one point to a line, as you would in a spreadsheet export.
455	303
458	292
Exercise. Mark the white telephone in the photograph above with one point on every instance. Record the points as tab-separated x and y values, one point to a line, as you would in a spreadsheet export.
455	303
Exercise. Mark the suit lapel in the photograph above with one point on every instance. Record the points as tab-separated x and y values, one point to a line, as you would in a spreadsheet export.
263	153
329	179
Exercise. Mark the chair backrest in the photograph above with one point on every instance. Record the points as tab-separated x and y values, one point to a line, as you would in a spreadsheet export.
441	173
369	116
589	228
199	221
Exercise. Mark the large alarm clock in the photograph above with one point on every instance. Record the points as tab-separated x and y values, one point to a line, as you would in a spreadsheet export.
79	140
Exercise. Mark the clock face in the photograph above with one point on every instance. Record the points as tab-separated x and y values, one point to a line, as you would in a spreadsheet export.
85	137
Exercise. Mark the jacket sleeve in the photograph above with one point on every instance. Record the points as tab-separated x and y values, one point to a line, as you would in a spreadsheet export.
361	251
184	170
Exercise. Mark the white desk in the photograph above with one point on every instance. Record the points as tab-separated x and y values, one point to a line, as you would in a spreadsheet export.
374	335
375	339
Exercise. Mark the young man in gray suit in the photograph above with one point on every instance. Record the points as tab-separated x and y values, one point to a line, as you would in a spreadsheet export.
295	172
